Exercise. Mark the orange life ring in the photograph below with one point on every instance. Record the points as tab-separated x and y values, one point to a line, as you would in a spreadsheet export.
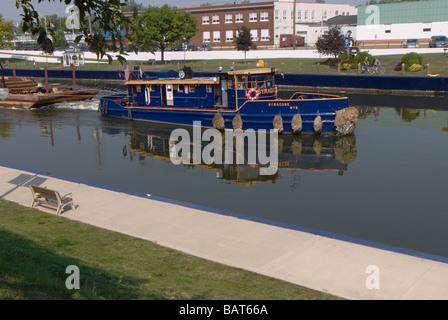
250	96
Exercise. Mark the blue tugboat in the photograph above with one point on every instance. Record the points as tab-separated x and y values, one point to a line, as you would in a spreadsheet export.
245	99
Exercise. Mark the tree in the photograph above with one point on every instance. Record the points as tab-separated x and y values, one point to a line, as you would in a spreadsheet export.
131	6
243	40
161	28
332	43
59	39
108	14
6	34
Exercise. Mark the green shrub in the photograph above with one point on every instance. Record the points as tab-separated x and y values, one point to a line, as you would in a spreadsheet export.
344	57
412	58
360	57
416	67
345	66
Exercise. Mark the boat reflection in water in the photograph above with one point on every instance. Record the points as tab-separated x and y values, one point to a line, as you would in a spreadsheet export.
295	152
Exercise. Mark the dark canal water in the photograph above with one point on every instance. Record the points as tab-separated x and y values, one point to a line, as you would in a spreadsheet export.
387	184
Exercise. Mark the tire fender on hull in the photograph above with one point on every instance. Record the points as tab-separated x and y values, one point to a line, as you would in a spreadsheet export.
277	123
237	122
317	125
345	120
218	121
296	123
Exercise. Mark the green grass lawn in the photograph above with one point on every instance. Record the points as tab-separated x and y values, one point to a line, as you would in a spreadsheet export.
37	247
438	64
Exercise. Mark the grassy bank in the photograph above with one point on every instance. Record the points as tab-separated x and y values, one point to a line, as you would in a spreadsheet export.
36	248
438	64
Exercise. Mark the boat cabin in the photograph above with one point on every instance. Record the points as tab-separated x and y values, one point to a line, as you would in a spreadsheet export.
226	90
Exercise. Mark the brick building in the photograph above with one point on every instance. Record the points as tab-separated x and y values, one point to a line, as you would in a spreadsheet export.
218	25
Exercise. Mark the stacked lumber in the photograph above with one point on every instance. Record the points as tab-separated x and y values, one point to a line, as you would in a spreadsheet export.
21	86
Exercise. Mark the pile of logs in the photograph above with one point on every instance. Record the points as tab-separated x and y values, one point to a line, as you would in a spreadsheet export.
23	86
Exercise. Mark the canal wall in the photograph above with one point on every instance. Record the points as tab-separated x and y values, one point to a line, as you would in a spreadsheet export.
329	82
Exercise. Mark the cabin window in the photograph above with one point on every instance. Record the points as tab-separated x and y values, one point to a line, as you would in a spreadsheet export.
230	84
242	82
192	87
251	84
150	87
208	88
180	88
261	84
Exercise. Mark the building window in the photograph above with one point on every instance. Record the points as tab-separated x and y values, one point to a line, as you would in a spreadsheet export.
229	36
254	35
215	18
276	14
312	15
336	13
252	17
239	17
229	18
306	14
292	15
426	29
216	36
299	14
387	31
264	16
205	19
265	35
284	14
325	14
206	36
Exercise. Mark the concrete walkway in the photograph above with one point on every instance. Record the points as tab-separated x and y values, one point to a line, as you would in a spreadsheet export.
341	268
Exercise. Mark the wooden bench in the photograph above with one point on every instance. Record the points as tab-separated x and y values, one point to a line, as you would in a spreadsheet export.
51	198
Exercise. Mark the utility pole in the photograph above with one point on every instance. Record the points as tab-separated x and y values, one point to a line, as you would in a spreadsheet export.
294	25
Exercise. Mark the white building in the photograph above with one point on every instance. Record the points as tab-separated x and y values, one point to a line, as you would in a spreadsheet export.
391	23
310	18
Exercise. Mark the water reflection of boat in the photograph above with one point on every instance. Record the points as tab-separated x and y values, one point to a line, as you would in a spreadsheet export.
296	152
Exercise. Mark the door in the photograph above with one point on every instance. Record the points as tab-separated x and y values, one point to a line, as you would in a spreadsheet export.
224	92
169	95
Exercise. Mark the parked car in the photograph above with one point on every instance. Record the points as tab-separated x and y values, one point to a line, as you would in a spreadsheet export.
205	47
192	47
438	42
411	43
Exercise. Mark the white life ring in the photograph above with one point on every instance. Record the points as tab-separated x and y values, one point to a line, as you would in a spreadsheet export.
252	91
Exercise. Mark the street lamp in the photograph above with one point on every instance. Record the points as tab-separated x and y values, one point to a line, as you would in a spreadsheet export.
4	91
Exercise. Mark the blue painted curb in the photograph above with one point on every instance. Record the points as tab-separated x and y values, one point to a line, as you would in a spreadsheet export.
380	82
